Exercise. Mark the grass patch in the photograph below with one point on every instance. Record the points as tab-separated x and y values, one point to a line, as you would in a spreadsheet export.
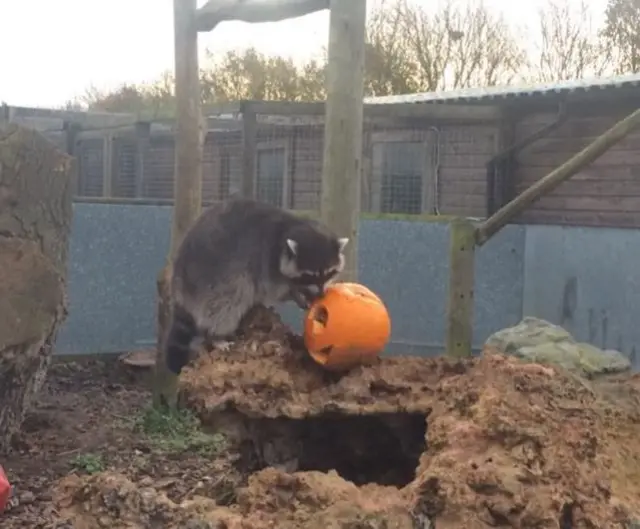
88	463
177	431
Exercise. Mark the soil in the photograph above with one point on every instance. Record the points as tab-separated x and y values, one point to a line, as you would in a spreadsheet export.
406	443
83	418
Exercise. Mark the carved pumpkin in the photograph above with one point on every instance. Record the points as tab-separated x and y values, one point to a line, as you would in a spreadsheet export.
348	326
5	490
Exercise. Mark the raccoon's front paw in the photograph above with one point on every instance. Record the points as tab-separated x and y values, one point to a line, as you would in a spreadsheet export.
300	299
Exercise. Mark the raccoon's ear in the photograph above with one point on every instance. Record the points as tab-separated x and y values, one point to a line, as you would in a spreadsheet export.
342	242
293	246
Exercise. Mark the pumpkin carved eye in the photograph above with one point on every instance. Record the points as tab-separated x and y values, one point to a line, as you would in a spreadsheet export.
321	315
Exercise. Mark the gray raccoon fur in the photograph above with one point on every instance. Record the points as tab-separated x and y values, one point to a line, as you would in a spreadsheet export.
239	254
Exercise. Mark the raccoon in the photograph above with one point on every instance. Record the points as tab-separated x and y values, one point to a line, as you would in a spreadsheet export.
239	254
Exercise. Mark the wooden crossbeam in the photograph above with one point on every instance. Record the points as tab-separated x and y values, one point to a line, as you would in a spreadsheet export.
548	183
432	111
254	11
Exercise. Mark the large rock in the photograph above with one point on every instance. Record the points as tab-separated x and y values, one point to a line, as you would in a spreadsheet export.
539	341
35	218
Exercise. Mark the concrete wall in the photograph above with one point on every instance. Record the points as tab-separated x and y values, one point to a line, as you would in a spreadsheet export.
585	279
588	281
117	251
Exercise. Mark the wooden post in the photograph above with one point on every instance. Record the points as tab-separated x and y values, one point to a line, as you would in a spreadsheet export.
188	173
461	286
143	135
556	177
249	141
107	164
341	171
72	129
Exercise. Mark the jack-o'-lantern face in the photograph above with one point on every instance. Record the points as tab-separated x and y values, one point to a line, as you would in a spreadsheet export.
348	326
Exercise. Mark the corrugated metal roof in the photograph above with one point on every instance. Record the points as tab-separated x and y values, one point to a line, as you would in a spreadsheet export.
509	92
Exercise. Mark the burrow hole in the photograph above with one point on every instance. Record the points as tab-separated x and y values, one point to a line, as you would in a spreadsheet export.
379	448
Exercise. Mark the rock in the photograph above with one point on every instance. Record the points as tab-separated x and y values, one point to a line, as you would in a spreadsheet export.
26	498
539	341
140	358
35	221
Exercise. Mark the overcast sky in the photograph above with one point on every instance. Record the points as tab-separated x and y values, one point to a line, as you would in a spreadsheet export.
51	51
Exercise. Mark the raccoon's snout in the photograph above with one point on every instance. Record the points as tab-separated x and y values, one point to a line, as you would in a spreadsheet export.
312	292
315	290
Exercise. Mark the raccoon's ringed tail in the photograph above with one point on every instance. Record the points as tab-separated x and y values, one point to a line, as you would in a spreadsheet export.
181	334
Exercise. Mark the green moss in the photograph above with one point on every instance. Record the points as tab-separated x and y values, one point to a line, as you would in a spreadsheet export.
88	463
176	431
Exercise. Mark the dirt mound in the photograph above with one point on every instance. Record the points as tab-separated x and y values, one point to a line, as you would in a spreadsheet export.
273	499
406	443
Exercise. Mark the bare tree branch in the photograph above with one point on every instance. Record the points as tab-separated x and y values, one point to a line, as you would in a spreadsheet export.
621	34
389	69
461	46
410	49
568	47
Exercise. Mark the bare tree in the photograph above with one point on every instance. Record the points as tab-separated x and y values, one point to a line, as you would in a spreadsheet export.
568	47
461	46
234	76
151	100
411	49
253	75
621	34
389	69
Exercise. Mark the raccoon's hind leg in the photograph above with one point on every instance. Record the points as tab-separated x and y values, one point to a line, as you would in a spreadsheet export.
182	332
222	320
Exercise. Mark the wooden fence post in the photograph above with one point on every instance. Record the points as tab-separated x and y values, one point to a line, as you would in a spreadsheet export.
341	168
249	141
107	164
187	176
461	285
143	136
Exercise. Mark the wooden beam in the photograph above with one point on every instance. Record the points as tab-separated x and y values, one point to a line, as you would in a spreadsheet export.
341	168
287	108
84	118
432	111
255	11
548	183
462	244
187	175
72	129
227	107
143	135
214	124
107	164
124	201
435	112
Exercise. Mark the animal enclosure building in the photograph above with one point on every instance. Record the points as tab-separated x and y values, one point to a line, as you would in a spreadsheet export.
463	152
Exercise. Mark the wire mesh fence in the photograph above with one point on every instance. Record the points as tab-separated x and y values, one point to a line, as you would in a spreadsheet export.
417	157
409	165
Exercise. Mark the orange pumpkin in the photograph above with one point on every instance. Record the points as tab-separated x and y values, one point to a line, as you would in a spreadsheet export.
348	326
